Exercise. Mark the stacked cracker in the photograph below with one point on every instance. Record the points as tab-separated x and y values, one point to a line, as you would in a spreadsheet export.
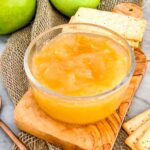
131	28
138	129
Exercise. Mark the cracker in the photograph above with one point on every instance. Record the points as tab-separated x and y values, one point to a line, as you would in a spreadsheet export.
144	141
133	124
129	27
133	44
136	135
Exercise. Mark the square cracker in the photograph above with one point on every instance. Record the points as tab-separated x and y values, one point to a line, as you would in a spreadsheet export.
144	141
133	124
136	135
133	44
129	27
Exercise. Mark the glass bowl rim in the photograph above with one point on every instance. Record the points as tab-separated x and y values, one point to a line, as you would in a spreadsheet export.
55	94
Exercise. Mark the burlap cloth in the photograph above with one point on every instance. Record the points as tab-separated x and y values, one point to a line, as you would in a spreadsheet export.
13	74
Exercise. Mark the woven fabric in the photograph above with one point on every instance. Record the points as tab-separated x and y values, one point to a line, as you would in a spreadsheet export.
12	70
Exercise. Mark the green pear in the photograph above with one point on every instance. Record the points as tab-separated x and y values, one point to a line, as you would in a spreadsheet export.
15	14
69	7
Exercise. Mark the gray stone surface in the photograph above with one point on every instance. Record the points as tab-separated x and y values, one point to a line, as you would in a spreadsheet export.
140	103
7	116
6	113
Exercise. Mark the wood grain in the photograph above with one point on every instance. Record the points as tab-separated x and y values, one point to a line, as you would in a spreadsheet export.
98	136
129	9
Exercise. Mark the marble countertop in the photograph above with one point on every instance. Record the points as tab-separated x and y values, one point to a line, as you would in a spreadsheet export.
140	102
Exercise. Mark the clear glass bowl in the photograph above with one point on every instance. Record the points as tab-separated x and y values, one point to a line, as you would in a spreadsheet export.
77	109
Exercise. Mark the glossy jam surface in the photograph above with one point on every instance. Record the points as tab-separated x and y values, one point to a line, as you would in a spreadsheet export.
83	65
80	64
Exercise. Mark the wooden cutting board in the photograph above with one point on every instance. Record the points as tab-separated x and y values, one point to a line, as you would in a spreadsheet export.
98	136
